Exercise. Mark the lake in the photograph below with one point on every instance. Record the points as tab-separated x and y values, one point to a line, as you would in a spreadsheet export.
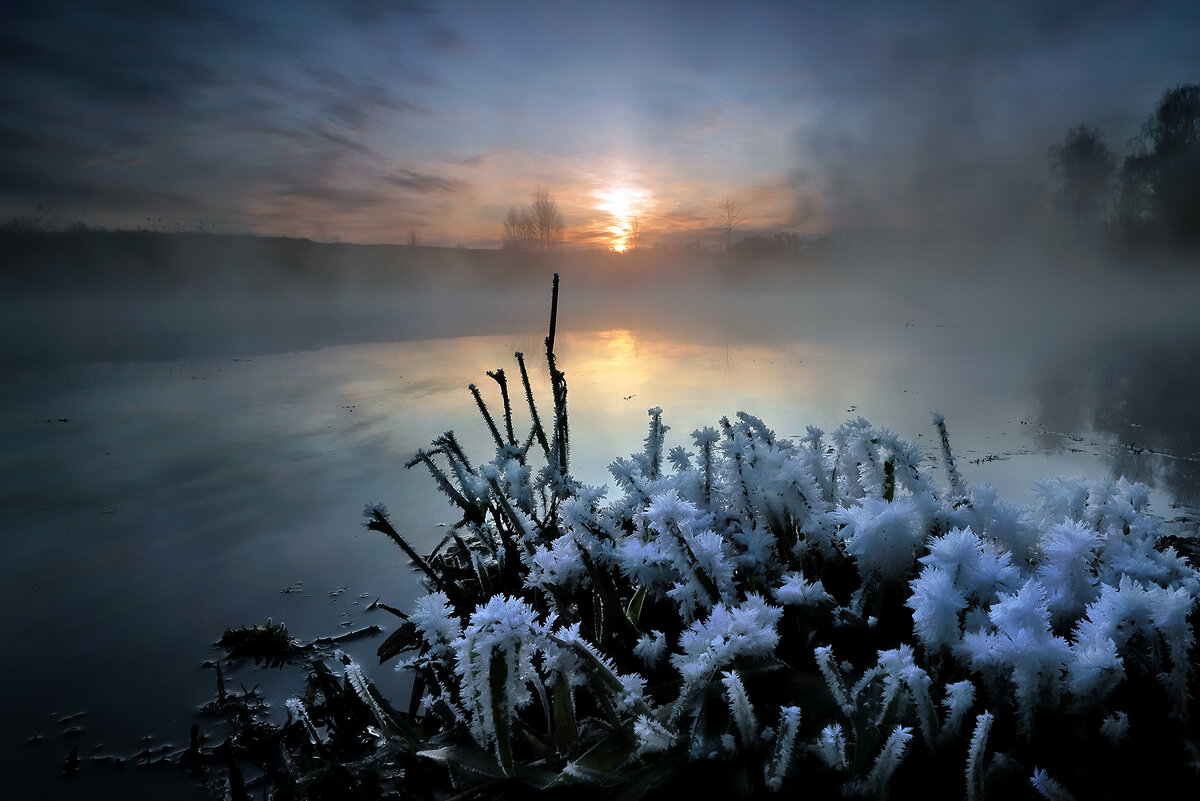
148	505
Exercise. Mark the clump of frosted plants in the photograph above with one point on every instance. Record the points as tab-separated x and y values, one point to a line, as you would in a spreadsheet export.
765	613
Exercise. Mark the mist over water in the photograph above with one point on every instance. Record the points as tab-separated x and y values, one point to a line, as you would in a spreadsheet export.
177	455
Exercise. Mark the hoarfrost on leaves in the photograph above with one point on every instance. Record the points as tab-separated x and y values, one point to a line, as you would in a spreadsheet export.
740	707
435	619
884	537
1048	787
785	741
502	629
1115	727
831	746
936	604
747	629
652	736
651	648
799	591
715	568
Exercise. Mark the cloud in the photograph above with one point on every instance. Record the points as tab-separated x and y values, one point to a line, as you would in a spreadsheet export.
854	115
939	117
423	184
444	39
371	12
355	102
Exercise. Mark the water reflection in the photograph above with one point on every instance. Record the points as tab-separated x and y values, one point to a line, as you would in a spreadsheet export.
179	497
1139	400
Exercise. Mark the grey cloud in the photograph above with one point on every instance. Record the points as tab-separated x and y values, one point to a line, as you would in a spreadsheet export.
446	39
367	12
934	117
337	199
419	182
356	102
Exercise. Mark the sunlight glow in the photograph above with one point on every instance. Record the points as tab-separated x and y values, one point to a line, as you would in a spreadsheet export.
625	206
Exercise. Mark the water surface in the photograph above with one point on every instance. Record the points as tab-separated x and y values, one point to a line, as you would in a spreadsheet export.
146	506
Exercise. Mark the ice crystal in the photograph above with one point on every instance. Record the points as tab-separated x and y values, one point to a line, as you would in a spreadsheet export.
1115	727
504	629
831	746
651	648
434	618
1048	787
799	591
740	707
746	630
664	615
883	537
785	741
652	736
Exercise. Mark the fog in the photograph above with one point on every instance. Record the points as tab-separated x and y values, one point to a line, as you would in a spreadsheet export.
1093	328
193	422
130	296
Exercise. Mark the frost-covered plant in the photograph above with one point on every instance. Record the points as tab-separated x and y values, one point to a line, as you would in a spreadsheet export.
761	613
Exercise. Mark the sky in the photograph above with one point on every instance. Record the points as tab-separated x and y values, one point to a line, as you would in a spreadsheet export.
377	121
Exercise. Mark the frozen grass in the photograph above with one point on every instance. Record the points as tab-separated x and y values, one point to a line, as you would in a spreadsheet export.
756	615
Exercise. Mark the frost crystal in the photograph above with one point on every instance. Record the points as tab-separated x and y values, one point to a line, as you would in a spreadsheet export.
652	737
831	746
798	591
504	630
650	648
745	630
434	618
1115	727
785	741
740	708
753	551
883	537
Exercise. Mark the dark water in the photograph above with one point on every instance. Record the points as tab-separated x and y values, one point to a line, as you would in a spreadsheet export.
145	506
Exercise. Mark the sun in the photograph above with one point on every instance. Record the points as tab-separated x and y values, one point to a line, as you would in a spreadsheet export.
624	205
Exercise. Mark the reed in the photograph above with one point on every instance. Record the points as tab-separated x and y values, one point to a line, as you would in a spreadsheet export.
761	616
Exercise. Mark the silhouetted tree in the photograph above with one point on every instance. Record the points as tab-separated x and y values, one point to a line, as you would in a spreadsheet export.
538	226
43	217
781	243
633	239
518	229
547	220
731	215
1174	132
1160	181
1084	167
1135	196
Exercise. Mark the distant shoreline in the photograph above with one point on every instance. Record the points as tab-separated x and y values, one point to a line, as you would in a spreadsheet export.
143	295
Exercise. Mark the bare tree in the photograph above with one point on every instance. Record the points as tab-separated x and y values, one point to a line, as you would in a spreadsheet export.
42	219
537	226
518	229
731	215
633	240
1172	137
548	226
1084	167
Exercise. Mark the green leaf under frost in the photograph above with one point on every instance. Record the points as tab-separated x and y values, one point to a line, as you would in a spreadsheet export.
501	720
404	638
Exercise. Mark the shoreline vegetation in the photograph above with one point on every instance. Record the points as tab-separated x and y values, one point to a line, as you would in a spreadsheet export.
155	261
752	616
150	296
94	295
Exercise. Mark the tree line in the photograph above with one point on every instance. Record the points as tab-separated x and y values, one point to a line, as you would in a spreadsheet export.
1155	193
538	226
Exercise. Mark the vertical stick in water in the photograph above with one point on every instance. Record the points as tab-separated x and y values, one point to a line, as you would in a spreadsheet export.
956	482
558	385
553	316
